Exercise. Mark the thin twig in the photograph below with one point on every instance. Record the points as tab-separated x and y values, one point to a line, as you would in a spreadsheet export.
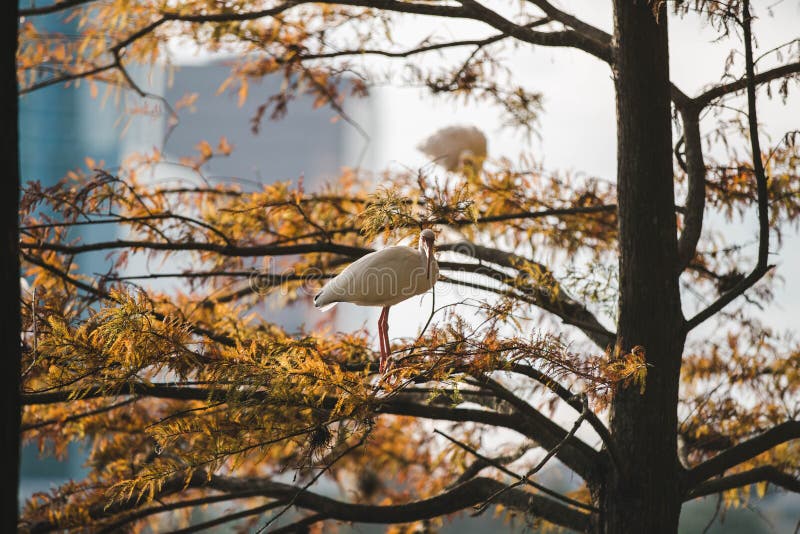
715	515
300	525
479	509
762	267
74	417
512	474
228	518
316	477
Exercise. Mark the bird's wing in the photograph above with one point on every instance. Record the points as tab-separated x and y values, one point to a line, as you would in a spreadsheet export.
373	279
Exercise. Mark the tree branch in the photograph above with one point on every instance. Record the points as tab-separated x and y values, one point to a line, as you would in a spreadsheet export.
573	401
762	266
743	451
573	22
74	417
227	518
484	461
168	507
523	215
55	80
300	526
558	303
225	250
104	509
767	473
98	293
480	43
563	306
705	98
458	498
578	456
535	469
696	194
568	38
571	450
52	8
467	10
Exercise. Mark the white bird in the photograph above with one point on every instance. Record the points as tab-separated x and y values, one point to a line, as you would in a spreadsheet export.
455	147
384	278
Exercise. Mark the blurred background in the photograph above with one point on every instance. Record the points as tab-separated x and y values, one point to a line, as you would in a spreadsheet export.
61	127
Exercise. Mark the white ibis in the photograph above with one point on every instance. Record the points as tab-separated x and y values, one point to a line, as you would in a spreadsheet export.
384	278
456	147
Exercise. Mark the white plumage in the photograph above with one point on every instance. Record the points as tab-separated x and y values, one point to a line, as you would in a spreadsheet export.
456	146
384	278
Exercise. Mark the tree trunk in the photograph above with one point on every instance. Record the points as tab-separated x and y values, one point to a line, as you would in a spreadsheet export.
645	496
9	330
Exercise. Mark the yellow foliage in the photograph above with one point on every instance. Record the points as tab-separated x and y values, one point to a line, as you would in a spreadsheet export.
177	392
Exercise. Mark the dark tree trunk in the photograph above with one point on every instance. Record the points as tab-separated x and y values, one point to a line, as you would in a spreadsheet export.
10	327
645	496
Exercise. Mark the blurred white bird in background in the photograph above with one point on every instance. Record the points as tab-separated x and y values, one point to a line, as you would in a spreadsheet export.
384	278
456	147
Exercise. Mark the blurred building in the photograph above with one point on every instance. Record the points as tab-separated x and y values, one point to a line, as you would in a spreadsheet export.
308	143
60	127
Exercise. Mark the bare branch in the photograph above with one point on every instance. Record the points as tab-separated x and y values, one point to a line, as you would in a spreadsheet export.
484	461
199	527
743	451
387	5
480	43
762	266
569	38
559	304
576	403
168	507
458	498
571	450
552	452
573	22
225	250
300	526
52	8
696	195
768	473
705	98
316	477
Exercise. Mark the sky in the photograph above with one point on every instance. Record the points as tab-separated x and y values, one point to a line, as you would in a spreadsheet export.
576	130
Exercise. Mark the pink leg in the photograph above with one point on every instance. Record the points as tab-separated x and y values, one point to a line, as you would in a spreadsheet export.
386	333
385	338
384	350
